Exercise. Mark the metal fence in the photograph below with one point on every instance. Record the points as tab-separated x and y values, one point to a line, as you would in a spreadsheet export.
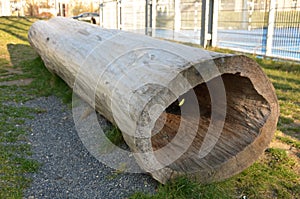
262	27
266	27
170	19
242	26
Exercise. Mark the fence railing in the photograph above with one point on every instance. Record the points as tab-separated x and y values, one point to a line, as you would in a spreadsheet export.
265	28
262	27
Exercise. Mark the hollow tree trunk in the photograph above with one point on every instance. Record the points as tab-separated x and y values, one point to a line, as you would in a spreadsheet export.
181	110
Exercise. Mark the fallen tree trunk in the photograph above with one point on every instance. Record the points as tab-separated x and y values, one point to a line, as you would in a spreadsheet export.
181	110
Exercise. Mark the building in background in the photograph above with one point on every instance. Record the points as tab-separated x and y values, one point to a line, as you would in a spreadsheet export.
47	8
5	9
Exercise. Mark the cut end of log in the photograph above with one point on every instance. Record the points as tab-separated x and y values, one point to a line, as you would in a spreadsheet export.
216	145
246	113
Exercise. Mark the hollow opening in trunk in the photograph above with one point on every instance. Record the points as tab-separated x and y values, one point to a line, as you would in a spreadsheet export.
246	112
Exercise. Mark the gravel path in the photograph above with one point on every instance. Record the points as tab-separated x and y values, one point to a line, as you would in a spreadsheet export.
68	170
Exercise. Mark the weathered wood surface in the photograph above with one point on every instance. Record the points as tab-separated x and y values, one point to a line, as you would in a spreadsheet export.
135	81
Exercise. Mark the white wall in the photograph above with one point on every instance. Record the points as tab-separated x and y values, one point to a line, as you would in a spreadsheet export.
5	9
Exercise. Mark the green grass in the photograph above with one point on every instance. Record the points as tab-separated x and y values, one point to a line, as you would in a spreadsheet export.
46	83
19	61
289	141
285	77
114	135
115	139
183	188
274	175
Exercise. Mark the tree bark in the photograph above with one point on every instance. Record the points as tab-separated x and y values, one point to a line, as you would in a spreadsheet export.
181	110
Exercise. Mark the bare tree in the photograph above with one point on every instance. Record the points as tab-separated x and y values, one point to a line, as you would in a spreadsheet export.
79	7
32	7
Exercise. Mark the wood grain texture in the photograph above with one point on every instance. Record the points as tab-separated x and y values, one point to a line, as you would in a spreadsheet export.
166	98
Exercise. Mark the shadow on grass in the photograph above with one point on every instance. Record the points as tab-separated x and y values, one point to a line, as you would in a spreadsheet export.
16	27
44	83
283	66
289	127
19	20
275	77
285	87
14	34
19	53
3	64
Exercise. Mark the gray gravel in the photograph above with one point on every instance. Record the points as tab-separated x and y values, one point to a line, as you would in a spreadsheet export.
67	168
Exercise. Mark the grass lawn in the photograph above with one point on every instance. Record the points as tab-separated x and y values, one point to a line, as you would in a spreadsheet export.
23	77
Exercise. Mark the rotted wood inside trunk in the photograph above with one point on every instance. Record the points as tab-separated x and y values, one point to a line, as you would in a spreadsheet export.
247	112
